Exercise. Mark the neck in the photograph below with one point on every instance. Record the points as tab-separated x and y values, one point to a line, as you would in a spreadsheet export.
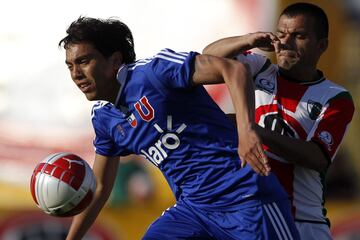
301	76
115	92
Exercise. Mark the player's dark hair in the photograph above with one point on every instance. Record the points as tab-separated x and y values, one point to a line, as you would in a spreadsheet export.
107	36
313	11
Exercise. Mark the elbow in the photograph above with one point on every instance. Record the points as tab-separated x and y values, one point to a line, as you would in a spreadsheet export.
102	191
323	165
243	71
317	162
238	67
207	50
243	68
320	169
237	77
322	158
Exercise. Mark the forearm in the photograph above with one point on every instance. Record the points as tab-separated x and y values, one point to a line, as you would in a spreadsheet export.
250	148
228	47
241	90
212	70
83	221
105	171
299	152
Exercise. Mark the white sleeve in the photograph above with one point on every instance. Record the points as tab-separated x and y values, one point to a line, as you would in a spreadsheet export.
255	61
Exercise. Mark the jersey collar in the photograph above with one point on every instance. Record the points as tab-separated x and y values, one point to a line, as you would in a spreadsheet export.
121	78
316	81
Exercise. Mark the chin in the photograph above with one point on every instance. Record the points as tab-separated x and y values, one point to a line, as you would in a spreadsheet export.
90	97
287	64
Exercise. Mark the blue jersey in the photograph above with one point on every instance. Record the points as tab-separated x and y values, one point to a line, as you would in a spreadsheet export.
160	115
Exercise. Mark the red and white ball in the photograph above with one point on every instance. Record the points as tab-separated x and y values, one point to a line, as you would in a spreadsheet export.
63	184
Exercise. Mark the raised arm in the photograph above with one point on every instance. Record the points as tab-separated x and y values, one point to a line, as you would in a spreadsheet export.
105	169
213	70
231	46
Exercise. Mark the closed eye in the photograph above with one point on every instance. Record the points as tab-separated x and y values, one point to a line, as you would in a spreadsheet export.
300	35
280	34
69	66
84	61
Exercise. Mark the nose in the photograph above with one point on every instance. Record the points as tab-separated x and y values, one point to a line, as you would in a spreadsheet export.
76	73
286	41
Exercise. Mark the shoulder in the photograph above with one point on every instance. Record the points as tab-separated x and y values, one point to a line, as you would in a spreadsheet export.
99	107
103	117
335	95
170	69
165	58
335	89
169	57
172	56
257	63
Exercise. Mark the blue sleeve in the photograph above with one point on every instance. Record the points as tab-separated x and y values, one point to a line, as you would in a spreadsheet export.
174	69
103	143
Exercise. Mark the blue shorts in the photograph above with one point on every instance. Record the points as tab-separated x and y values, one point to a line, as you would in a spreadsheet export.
271	221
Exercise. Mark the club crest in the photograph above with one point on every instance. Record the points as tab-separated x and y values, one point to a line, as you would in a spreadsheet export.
314	109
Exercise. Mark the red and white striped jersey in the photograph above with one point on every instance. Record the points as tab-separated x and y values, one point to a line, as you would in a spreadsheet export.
319	111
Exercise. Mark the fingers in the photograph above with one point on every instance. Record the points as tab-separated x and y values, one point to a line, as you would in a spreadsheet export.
257	161
255	164
264	41
275	41
243	163
251	152
277	46
264	160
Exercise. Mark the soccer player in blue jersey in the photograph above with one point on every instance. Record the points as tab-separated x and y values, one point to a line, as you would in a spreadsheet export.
158	108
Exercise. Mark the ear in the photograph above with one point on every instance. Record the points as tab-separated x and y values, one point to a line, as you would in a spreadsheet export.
323	45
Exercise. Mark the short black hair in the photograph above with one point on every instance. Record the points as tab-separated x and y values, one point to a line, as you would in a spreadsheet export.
107	36
318	14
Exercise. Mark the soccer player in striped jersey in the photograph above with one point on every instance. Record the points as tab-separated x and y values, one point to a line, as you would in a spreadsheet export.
304	115
158	108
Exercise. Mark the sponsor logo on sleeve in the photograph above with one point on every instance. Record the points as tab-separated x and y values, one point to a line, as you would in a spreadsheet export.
121	130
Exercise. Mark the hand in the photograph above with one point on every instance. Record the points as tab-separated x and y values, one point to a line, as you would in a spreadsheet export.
251	152
263	40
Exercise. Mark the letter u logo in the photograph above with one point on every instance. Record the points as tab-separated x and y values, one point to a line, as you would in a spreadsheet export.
148	115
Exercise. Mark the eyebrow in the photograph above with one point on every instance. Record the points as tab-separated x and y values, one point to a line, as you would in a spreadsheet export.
79	59
300	31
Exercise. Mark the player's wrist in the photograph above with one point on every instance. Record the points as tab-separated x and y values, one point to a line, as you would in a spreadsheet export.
249	39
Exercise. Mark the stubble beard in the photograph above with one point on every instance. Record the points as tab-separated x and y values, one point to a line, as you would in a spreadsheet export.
287	63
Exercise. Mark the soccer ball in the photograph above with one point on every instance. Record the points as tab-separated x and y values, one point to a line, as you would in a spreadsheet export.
62	184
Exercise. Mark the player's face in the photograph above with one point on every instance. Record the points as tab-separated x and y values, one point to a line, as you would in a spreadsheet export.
94	74
300	49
